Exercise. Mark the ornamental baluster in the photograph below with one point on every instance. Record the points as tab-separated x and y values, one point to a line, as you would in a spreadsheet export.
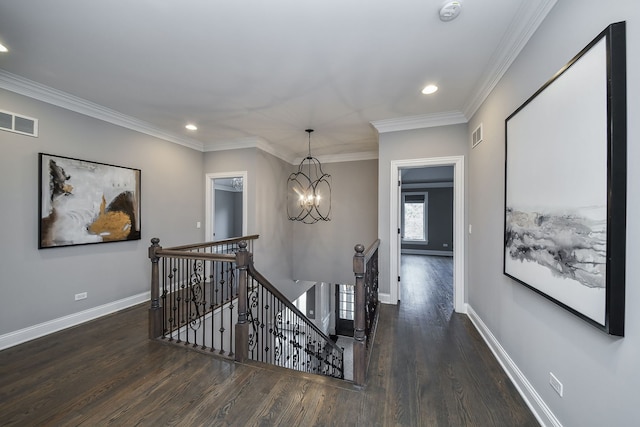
242	327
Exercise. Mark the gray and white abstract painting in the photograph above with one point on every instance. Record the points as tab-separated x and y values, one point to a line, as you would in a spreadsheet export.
556	189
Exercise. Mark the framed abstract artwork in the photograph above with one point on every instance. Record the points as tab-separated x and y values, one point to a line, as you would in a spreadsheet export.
83	202
565	185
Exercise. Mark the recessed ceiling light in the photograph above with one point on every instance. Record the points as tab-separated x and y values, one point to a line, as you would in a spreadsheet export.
429	89
191	126
3	48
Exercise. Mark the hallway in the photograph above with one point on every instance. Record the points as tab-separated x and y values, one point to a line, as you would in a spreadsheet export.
432	365
429	367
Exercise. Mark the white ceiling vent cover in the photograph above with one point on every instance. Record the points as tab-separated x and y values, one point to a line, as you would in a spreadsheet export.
19	124
476	136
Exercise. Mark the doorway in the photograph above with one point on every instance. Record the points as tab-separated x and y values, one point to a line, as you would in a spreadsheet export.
345	309
395	237
226	205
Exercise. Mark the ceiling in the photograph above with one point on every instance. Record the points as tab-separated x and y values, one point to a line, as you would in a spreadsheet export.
258	73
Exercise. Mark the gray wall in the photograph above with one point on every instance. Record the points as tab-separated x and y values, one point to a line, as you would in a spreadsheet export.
323	252
600	373
39	285
440	219
266	191
440	141
228	214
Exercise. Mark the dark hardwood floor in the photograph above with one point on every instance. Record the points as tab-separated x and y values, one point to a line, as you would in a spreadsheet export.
429	368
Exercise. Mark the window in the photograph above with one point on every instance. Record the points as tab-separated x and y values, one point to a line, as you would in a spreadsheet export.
414	217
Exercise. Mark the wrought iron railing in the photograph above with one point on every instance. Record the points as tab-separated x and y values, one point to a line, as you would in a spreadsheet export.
365	269
279	334
210	297
193	298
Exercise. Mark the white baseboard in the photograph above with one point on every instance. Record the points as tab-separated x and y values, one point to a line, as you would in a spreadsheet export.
36	331
386	299
426	252
531	397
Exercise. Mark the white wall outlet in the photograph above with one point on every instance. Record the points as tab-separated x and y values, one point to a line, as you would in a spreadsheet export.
470	228
556	384
198	224
81	295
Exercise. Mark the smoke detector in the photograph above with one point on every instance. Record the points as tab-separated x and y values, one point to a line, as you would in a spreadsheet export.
450	10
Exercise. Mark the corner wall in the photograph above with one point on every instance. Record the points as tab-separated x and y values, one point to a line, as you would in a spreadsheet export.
443	141
38	286
323	252
266	198
600	373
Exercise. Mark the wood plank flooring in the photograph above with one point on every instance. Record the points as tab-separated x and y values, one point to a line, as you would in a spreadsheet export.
429	367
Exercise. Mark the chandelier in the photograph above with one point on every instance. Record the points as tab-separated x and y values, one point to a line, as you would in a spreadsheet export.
236	183
309	191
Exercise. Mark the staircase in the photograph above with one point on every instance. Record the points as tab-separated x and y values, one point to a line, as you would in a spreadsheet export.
211	298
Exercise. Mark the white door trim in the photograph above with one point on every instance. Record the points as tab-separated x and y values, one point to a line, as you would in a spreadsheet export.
458	224
209	200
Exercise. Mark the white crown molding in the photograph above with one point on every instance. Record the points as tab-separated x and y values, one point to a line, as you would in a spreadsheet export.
345	157
31	89
419	122
287	156
234	144
527	20
251	142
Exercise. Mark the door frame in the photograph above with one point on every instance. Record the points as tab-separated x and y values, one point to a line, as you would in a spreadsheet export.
458	225
210	201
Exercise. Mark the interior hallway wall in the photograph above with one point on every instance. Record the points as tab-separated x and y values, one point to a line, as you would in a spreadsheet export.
38	286
600	373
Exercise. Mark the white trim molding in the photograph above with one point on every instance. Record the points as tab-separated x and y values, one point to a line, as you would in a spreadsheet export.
528	19
26	87
420	122
209	201
36	331
458	224
534	401
386	299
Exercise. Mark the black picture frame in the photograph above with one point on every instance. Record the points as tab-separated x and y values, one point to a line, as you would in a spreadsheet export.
565	185
82	202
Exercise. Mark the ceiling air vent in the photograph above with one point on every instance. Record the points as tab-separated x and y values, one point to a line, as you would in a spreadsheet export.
476	136
19	124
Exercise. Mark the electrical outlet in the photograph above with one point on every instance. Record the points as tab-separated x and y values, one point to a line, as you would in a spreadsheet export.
446	245
81	295
555	383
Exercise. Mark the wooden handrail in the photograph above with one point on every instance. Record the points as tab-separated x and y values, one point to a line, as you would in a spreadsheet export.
243	260
215	243
371	250
195	255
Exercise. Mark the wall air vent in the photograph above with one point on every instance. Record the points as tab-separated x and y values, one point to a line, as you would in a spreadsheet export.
476	136
19	124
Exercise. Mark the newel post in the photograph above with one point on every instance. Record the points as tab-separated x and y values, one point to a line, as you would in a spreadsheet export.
242	327
155	314
359	344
